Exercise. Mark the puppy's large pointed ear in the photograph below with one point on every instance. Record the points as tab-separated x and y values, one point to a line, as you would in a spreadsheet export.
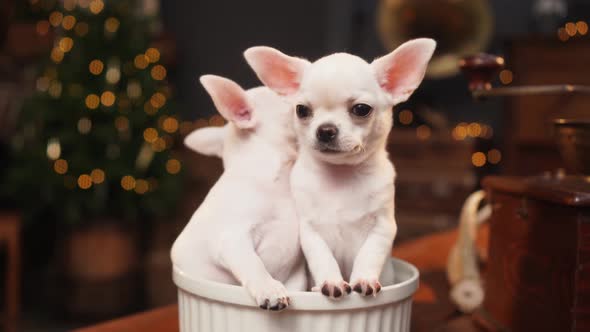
207	141
230	100
278	71
400	72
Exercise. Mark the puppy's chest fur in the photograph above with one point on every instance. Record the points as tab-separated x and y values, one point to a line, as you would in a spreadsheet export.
276	237
342	204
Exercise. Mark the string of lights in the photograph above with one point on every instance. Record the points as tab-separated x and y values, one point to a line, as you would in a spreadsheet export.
102	111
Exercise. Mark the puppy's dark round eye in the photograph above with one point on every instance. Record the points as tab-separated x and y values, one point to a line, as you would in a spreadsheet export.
361	110
303	111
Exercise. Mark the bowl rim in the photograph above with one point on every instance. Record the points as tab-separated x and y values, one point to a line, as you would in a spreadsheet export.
309	301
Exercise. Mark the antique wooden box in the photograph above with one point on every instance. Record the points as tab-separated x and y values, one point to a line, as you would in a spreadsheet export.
529	146
538	273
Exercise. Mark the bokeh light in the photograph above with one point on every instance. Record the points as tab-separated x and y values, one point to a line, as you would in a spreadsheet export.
107	98
158	72
459	133
53	149
111	25
133	89
571	29
96	6
92	101
141	186
42	83
128	182
506	76
582	28
562	34
141	61
159	145
60	166
487	132
170	125
55	18
173	166
158	100
84	126
55	89
57	55
474	129
150	135
478	159
84	181
494	156
68	22
96	67
423	132
113	74
65	44
406	117
97	175
153	54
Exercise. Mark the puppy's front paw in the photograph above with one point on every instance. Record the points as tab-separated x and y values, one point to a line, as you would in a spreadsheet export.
366	287
333	289
270	295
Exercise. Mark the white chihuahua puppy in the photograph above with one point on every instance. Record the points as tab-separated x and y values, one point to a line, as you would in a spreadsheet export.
343	181
246	231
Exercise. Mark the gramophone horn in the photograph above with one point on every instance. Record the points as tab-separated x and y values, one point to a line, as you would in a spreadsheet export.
461	27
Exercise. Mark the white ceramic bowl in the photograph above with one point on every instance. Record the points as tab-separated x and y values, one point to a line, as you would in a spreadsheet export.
207	306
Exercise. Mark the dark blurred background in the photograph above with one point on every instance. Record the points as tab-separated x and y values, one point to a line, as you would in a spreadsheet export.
95	187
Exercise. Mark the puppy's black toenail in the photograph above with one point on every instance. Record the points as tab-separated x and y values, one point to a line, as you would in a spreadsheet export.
358	288
281	306
274	308
347	289
369	290
337	292
377	288
264	305
326	290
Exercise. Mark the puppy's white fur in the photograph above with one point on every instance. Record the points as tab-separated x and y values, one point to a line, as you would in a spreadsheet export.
246	231
345	196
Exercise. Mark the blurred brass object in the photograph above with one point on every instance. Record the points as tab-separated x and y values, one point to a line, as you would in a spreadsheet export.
571	135
461	27
573	140
481	69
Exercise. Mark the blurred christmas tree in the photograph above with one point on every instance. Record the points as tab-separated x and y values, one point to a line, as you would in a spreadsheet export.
94	140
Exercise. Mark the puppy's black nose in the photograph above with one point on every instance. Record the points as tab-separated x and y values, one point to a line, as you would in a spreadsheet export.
326	133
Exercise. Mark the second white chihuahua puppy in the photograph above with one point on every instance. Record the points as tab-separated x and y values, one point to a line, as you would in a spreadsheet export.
246	230
343	181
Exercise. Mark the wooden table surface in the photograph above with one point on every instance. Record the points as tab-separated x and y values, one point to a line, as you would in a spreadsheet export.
431	311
